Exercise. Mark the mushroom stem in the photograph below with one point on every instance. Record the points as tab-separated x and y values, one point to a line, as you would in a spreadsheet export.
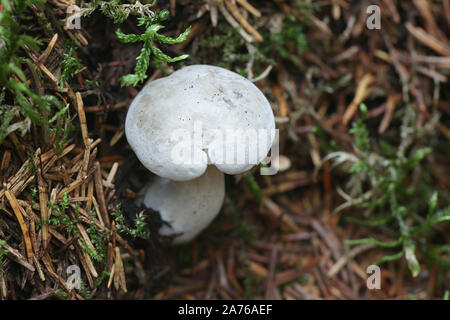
188	207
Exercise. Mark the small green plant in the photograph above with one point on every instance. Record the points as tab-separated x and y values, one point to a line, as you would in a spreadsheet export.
148	38
99	239
34	194
140	229
63	294
254	187
235	52
84	291
3	253
70	66
381	184
229	43
119	12
61	218
105	275
289	41
37	108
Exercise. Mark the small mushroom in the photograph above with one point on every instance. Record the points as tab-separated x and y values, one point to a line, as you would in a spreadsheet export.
232	113
187	206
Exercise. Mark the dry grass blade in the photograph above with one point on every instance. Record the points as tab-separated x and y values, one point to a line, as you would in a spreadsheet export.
362	92
429	40
244	23
18	210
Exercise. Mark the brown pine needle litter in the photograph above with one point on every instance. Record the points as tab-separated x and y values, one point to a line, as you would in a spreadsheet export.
69	180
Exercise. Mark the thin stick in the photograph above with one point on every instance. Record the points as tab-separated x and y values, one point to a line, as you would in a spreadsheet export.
244	23
44	56
428	40
82	117
235	24
43	207
17	211
101	195
249	8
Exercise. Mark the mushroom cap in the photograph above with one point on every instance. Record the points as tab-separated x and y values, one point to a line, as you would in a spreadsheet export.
163	118
188	206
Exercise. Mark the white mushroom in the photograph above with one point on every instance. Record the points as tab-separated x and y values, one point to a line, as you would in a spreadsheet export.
190	126
198	115
188	206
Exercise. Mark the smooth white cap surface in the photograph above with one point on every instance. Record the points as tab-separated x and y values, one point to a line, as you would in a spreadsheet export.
219	102
188	206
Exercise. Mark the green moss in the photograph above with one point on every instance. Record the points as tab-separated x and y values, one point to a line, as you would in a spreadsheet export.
13	36
3	253
380	184
140	228
118	12
70	66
